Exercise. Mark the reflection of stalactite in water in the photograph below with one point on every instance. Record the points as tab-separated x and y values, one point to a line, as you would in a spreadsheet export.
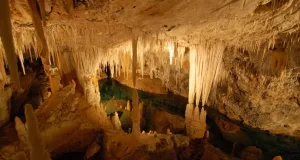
7	41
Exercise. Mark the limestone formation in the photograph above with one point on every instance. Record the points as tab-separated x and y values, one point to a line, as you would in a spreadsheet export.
7	42
5	95
135	114
240	58
116	122
92	149
195	121
35	140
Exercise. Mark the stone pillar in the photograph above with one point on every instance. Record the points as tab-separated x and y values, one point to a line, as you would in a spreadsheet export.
135	114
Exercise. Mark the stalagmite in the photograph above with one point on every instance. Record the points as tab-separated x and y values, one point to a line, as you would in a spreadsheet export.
116	122
22	135
128	106
21	130
36	142
86	66
54	78
7	42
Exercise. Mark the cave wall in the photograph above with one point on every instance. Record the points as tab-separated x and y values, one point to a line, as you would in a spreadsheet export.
259	99
249	92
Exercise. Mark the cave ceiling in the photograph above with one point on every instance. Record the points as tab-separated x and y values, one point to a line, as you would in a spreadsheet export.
237	22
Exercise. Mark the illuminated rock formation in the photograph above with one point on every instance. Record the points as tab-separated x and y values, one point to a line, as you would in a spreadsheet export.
219	54
135	114
35	141
116	122
205	66
54	78
8	43
92	149
23	136
195	121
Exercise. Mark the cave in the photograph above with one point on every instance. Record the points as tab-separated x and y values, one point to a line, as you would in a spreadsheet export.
149	79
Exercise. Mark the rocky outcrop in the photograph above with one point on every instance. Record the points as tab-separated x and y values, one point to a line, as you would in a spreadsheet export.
232	132
252	153
127	147
257	98
161	121
65	113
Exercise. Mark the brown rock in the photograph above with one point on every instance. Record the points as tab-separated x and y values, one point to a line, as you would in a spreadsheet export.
161	121
252	153
232	132
277	158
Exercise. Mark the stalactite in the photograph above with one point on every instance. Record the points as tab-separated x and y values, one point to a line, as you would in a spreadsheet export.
171	50
37	23
7	41
86	65
205	66
192	75
42	10
134	58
